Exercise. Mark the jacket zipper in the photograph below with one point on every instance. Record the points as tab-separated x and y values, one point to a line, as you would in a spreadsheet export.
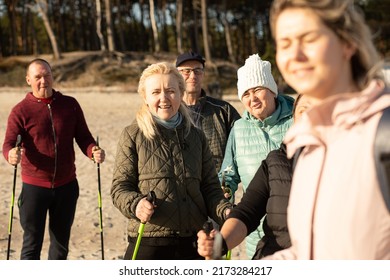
55	145
184	228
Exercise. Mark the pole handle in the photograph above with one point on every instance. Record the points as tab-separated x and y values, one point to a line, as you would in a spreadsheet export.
151	197
208	227
18	141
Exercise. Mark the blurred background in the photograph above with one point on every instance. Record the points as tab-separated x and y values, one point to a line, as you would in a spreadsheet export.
109	42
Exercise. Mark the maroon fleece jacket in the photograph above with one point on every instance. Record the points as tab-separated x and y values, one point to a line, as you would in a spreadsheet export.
47	132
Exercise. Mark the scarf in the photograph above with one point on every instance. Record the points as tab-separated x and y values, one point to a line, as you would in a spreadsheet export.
171	123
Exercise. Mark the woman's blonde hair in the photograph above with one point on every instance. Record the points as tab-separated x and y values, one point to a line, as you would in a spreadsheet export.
144	117
348	23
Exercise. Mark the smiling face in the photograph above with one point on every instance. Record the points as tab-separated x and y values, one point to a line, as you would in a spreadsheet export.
162	95
259	102
194	78
40	78
311	58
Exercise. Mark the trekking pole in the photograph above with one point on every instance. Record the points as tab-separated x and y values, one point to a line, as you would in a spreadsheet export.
208	227
151	198
100	203
218	241
229	255
11	214
226	190
229	192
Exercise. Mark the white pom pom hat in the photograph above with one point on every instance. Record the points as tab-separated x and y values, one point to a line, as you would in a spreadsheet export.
255	73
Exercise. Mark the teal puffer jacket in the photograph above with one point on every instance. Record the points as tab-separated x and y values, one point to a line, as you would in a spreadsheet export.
248	145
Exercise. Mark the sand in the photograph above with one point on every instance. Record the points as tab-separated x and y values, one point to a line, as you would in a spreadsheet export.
107	111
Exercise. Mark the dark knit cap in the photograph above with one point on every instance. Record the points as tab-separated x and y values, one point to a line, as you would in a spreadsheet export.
189	56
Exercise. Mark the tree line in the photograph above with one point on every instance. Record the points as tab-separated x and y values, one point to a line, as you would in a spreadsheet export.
218	29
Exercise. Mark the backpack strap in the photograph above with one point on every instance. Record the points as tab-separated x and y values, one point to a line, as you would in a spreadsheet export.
382	155
295	157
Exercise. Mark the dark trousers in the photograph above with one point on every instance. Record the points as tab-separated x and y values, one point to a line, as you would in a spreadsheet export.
34	203
160	248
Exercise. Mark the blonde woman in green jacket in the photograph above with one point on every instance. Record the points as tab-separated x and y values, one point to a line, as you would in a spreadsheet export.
162	151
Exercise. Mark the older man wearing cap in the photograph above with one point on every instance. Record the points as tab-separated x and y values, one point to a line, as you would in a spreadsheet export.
261	129
215	117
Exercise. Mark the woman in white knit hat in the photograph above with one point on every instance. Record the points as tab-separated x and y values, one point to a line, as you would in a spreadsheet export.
261	129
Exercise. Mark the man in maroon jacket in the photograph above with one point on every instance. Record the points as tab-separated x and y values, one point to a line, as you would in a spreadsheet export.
48	122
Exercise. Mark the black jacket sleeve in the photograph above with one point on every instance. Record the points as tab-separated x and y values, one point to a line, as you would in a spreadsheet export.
253	204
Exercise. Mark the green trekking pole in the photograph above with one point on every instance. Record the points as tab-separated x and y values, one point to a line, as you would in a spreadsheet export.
11	214
100	204
151	198
229	255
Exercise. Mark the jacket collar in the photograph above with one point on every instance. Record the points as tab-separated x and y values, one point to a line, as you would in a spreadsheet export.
343	111
203	97
30	96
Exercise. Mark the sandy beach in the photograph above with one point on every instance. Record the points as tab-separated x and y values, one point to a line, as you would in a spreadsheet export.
107	111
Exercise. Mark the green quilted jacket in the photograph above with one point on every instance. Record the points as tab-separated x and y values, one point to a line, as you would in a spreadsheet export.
179	170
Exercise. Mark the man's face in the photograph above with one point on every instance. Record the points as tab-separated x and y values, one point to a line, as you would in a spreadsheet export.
40	78
193	73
